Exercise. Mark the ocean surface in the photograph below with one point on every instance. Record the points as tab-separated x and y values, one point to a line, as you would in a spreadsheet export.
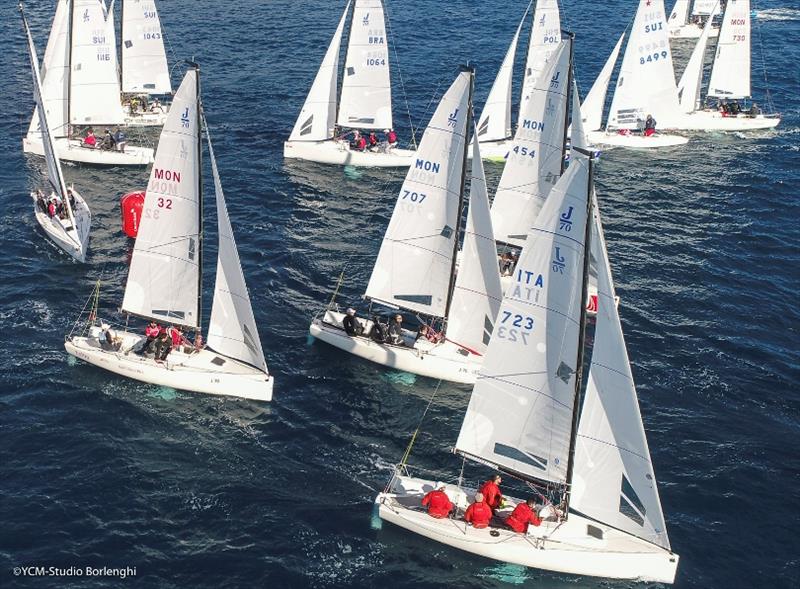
205	492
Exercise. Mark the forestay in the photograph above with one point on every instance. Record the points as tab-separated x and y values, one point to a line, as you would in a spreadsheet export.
592	107
646	82
414	264
144	61
730	75
534	161
520	413
318	116
232	328
692	78
545	39
477	293
164	273
366	100
613	480
94	86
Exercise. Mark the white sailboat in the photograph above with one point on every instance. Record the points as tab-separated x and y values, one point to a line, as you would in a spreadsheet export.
70	224
365	102
729	81
165	277
683	26
645	86
589	461
495	130
144	71
415	271
80	87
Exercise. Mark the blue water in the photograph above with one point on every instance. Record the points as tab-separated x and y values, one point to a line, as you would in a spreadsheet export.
199	491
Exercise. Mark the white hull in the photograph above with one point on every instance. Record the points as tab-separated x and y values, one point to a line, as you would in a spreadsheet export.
72	150
444	361
494	151
712	120
339	152
565	548
199	372
635	140
56	228
146	119
692	31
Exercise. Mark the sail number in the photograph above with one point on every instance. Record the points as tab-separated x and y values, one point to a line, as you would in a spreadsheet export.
376	61
653	28
164	203
654	57
148	36
510	322
416	197
524	151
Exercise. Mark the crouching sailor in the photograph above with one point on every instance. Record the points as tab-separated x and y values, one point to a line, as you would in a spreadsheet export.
439	505
523	514
478	514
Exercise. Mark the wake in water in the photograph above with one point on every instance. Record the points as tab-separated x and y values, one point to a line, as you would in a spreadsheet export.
778	14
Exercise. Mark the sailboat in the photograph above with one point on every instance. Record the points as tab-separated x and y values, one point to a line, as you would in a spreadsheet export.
144	70
165	277
729	81
365	101
645	86
415	271
588	462
80	87
495	132
68	227
681	26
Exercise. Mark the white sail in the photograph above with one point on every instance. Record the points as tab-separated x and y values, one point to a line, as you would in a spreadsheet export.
232	328
55	75
592	107
703	7
613	480
495	121
692	78
730	74
534	161
144	60
477	293
318	116
520	413
545	39
164	274
646	82
94	87
415	261
366	100
679	15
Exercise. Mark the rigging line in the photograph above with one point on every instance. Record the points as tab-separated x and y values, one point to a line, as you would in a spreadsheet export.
770	104
400	75
404	461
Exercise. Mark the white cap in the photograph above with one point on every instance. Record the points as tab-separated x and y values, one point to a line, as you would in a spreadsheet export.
478	497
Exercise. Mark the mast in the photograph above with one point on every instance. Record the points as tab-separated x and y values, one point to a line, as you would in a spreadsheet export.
341	79
122	40
569	91
582	330
460	213
199	328
69	78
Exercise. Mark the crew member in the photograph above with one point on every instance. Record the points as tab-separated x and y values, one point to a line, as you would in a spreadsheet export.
649	126
391	137
491	491
396	331
478	514
151	333
438	503
121	139
351	324
90	140
523	514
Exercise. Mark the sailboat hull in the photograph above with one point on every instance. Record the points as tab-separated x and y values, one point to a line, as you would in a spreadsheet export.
691	31
445	361
146	119
72	150
200	372
635	141
494	151
577	546
339	153
56	229
712	120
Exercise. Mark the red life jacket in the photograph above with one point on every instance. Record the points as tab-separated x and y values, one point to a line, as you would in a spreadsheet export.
362	143
152	331
491	494
438	503
521	517
479	515
176	336
90	140
392	137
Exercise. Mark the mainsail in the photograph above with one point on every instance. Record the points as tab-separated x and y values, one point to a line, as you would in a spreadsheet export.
366	100
144	61
164	275
545	39
535	159
730	74
592	107
414	265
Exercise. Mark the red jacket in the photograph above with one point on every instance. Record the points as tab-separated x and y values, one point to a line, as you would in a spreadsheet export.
391	137
176	336
491	494
152	331
438	503
521	517
478	514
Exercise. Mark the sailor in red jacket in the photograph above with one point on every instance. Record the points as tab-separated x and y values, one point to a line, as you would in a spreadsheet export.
491	491
439	505
523	514
478	514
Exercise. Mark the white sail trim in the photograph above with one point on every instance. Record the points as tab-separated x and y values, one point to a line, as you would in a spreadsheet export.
415	261
318	116
613	478
232	329
534	161
545	40
679	15
646	82
520	413
730	74
55	75
366	100
477	293
164	274
592	108
495	121
692	78
144	60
